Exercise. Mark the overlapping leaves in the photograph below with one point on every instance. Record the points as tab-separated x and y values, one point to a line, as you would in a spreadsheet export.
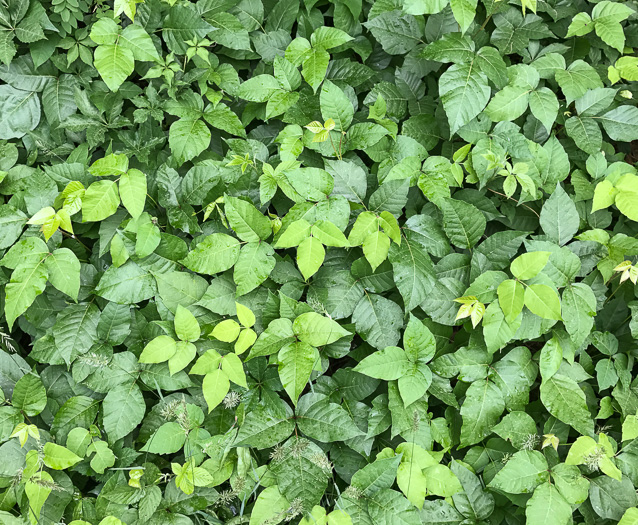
344	263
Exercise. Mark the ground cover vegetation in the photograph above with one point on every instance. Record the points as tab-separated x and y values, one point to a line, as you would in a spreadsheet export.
318	262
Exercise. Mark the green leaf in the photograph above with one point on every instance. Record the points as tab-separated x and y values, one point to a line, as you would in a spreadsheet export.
375	248
630	517
133	191
604	195
214	254
230	32
12	222
20	112
222	117
76	330
607	17
29	395
183	23
320	419
464	12
621	123
100	201
414	384
329	37
109	165
255	263
37	489
564	399
627	187
413	271
390	507
270	504
547	504
28	281
517	427
294	234
314	67
579	308
570	483
104	31
259	88
247	221
266	425
188	138
529	265
310	256
317	330
215	387
147	239
234	369
480	411
474	501
550	359
329	235
186	326
296	361
64	267
336	105
586	134
463	223
543	301
544	106
378	320
298	475
160	349
577	79
580	25
397	34
312	184
167	439
387	364
245	315
58	457
278	334
523	472
508	104
464	93
511	298
114	63
441	481
412	482
123	410
127	284
226	331
559	217
138	42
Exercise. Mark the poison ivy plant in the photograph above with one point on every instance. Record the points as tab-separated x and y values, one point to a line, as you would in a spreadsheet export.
324	262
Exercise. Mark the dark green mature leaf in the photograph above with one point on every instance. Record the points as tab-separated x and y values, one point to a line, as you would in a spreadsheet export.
559	218
124	409
464	224
480	411
564	399
324	421
20	112
522	473
464	92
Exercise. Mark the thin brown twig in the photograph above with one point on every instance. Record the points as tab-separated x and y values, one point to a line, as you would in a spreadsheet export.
515	200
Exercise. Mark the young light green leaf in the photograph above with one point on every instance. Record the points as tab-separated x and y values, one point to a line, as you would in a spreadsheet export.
529	265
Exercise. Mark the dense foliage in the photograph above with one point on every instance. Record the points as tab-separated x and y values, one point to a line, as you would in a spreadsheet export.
333	262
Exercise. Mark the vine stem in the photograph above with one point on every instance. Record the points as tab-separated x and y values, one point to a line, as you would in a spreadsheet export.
512	198
482	26
333	147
